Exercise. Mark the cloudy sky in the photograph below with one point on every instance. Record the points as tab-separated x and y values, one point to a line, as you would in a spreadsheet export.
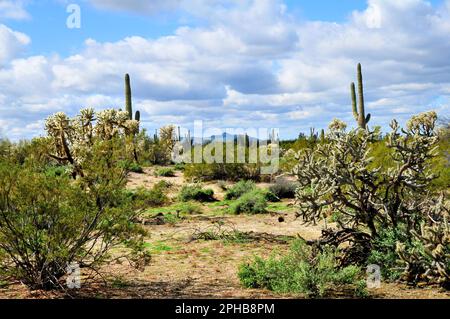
261	63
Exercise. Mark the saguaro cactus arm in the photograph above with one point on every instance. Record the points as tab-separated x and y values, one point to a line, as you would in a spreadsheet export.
358	108
354	103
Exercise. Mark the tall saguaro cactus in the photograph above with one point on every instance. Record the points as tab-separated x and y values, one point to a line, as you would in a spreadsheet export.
358	108
129	101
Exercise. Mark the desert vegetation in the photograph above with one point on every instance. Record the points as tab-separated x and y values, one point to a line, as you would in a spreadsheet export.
99	192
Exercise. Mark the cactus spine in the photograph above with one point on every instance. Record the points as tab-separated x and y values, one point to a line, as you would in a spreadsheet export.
358	108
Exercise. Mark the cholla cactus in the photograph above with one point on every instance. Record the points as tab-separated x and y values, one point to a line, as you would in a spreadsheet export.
72	139
337	125
339	176
423	124
429	260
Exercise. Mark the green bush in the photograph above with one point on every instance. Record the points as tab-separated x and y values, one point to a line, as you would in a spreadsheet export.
240	189
270	197
165	172
136	168
154	197
253	202
48	222
283	188
384	253
217	171
180	166
441	163
190	208
57	170
131	166
196	193
303	270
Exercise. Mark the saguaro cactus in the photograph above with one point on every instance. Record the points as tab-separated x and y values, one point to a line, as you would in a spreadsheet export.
358	108
322	135
128	100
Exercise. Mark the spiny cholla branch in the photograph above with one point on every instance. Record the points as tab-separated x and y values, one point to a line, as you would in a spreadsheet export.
72	139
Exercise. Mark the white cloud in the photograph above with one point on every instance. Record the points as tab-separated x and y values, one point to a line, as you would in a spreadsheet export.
249	64
11	43
13	9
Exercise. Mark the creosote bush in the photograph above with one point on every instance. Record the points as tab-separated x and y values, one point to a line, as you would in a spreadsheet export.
304	270
239	189
52	218
165	172
154	197
196	193
190	208
48	222
253	202
283	188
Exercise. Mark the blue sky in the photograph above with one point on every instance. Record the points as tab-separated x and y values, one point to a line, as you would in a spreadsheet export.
47	17
266	63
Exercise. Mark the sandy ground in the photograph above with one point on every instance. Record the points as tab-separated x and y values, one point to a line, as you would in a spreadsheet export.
185	268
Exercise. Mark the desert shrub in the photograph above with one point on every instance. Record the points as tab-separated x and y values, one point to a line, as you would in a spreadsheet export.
190	208
155	197
253	202
57	170
269	196
441	163
196	193
136	168
48	222
23	151
283	188
384	253
303	270
131	166
156	150
165	172
217	171
240	189
180	166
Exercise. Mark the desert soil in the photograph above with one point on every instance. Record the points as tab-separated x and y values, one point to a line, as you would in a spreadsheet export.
182	267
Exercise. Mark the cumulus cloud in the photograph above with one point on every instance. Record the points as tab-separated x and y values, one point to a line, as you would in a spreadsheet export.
11	43
251	63
13	9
